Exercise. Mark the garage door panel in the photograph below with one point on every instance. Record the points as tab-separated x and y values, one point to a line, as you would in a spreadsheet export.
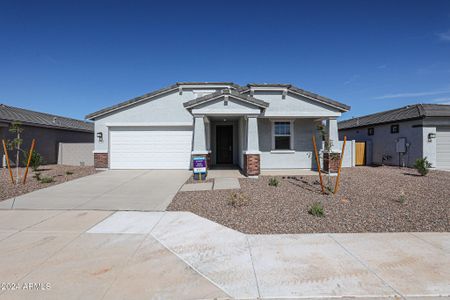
150	149
443	147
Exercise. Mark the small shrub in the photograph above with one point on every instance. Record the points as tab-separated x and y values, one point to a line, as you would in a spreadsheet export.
37	175
47	180
238	199
274	182
69	173
316	210
36	160
402	197
422	166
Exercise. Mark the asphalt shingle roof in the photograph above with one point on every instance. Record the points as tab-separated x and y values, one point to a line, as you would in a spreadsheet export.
29	117
409	112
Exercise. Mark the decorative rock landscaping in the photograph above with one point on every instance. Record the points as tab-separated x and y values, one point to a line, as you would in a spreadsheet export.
370	199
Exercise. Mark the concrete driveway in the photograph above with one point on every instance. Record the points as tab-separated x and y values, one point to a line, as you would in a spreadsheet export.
178	255
149	190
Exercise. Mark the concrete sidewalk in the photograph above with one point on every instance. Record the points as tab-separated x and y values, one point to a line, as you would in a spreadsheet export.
178	255
148	190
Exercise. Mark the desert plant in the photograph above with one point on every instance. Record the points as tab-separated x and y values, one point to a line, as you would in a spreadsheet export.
316	210
36	160
422	166
328	148
69	173
328	144
15	144
47	180
274	182
37	175
402	197
238	199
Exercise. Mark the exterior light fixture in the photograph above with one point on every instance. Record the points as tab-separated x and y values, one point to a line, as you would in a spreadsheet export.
100	136
431	136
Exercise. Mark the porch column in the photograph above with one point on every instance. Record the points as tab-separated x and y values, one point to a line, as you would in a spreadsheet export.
252	135
331	159
333	134
199	148
252	155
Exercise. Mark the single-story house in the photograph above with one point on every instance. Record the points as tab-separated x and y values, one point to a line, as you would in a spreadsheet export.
401	136
48	130
257	126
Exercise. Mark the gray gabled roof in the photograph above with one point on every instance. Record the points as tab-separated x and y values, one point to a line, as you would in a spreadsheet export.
28	117
296	90
409	112
153	94
232	86
133	101
224	92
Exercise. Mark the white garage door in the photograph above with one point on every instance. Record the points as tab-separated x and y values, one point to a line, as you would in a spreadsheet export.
443	147
150	148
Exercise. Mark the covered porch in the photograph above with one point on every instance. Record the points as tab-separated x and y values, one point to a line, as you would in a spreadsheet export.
233	130
255	143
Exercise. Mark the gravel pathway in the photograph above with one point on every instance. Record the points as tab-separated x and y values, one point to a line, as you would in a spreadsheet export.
370	199
59	173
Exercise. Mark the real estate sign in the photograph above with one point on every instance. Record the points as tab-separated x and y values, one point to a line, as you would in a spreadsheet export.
199	165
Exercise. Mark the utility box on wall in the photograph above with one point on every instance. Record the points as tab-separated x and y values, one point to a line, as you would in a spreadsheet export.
401	145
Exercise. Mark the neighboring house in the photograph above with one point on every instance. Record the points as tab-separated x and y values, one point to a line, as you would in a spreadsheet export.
400	136
48	130
267	126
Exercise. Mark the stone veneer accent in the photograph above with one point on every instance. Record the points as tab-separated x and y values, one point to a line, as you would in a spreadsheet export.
251	164
331	162
101	160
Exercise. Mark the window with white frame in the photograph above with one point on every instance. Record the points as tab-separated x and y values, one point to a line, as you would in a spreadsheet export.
282	135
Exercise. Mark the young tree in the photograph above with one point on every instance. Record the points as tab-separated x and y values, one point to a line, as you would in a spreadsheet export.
16	144
328	145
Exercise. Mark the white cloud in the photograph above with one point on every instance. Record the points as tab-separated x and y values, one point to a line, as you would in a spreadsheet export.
412	94
444	36
441	100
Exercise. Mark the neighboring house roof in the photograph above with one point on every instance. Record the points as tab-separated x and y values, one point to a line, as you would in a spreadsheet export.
233	86
28	117
409	112
301	92
226	92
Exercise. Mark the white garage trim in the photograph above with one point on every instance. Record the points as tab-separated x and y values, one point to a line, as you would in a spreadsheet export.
152	147
443	147
147	124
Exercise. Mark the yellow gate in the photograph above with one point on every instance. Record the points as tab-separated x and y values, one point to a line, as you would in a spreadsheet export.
360	156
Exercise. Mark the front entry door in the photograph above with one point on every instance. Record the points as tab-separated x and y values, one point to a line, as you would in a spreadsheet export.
224	144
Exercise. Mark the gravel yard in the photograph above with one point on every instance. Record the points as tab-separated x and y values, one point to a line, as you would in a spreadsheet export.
57	173
370	199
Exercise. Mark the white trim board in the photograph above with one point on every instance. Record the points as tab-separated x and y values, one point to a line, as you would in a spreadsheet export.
148	124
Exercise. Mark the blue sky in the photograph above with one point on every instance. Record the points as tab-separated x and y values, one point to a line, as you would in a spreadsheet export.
75	57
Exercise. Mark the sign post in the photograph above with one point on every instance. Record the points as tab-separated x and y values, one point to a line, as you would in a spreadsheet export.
199	168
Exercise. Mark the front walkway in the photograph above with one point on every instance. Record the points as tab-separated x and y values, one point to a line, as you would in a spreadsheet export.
178	255
149	190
